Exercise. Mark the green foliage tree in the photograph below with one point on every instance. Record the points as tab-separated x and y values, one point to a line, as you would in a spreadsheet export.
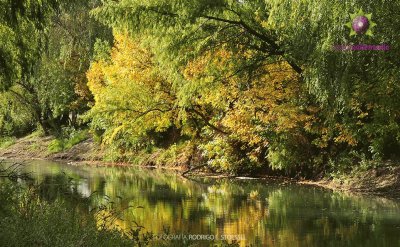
21	26
251	83
343	118
59	49
356	88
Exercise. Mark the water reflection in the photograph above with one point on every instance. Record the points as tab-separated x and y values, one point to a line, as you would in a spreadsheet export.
265	213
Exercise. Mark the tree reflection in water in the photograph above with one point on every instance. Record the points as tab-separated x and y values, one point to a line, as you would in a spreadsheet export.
265	213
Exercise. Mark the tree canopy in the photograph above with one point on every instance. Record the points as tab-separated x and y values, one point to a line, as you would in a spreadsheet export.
244	85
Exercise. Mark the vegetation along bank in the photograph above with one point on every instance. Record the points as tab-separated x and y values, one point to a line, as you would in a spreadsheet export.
235	85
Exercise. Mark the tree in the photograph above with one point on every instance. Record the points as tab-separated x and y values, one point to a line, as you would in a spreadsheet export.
357	89
132	97
300	34
22	24
54	88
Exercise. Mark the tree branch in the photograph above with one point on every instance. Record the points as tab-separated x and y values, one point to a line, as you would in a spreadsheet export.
206	121
275	49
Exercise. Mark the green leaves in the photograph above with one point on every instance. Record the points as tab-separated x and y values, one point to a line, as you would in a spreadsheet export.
259	78
45	52
10	69
22	35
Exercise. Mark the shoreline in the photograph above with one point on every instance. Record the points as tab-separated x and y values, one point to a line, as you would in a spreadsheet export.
350	187
384	181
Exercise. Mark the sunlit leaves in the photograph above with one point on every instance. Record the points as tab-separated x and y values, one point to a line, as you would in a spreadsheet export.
131	95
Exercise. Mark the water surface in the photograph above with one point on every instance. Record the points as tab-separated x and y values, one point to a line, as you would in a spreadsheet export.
256	212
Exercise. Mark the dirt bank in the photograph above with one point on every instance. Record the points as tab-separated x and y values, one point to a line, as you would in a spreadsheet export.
35	147
378	181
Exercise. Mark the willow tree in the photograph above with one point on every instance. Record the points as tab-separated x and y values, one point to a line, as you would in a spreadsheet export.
182	29
346	117
23	26
47	52
21	23
358	90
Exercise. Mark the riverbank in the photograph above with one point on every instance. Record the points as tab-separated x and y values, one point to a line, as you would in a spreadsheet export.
383	181
37	147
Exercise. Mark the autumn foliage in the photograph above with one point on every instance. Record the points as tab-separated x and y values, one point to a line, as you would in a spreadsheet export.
241	86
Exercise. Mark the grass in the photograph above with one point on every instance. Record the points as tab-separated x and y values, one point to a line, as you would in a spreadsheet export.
34	147
66	142
6	142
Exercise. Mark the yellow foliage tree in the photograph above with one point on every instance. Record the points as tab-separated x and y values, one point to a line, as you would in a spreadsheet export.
132	98
252	107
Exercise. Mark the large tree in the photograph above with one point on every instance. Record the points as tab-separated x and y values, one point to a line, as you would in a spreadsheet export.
52	61
344	91
22	24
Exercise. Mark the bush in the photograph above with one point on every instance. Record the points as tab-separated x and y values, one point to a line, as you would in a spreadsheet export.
55	146
68	139
5	142
76	137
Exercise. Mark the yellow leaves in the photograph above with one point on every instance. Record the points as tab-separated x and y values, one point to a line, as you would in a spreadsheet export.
247	105
340	133
96	80
201	66
129	61
113	135
131	95
324	133
345	136
363	115
162	123
287	117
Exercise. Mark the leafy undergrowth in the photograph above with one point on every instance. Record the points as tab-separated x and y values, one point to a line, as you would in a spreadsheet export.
6	142
176	155
67	141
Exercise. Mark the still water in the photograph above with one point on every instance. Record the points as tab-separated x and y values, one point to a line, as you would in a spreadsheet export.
255	212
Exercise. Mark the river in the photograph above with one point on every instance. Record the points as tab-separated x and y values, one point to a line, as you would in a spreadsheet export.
254	212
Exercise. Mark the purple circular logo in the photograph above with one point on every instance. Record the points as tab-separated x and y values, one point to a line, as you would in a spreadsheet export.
360	24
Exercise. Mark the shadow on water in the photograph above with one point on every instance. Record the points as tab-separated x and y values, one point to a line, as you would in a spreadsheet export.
256	212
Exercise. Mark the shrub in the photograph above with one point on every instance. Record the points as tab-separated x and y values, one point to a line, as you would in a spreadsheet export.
67	140
5	142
